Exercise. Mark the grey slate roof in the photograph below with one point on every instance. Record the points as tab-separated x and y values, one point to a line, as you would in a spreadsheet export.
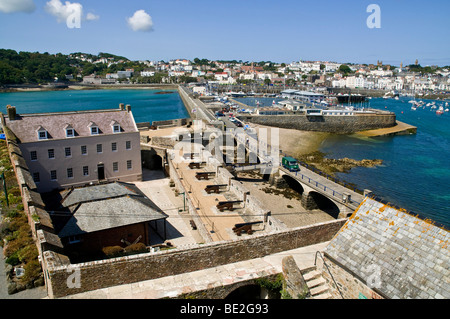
102	207
411	254
25	126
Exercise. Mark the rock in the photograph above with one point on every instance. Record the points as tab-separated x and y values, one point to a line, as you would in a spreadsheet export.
39	282
8	270
12	288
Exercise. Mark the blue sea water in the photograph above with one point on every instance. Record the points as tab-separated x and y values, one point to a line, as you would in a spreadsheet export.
415	174
146	105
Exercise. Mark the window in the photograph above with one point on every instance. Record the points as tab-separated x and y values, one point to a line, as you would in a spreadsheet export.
70	132
129	164
114	147
115	127
36	177
115	166
51	153
128	145
94	130
85	170
42	135
99	148
70	172
53	176
68	152
83	150
33	155
74	239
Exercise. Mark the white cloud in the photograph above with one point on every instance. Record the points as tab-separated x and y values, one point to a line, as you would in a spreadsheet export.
9	6
63	11
91	17
140	21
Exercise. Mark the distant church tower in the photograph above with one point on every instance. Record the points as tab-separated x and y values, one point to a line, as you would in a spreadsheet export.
417	62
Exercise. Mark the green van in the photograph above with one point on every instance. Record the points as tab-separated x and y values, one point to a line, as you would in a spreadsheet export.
290	163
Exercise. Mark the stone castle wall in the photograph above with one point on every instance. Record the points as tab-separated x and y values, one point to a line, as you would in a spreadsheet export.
129	269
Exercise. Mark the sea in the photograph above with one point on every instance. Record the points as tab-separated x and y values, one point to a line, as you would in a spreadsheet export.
415	173
146	105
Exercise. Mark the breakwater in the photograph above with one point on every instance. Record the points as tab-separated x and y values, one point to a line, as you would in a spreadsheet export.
343	124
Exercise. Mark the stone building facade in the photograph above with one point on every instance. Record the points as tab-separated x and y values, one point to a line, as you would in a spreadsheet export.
76	148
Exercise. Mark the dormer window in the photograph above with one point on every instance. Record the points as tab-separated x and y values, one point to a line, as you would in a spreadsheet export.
115	127
94	128
70	132
42	133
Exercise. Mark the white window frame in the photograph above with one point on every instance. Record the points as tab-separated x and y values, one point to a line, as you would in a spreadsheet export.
48	152
94	130
70	169
72	134
116	128
45	135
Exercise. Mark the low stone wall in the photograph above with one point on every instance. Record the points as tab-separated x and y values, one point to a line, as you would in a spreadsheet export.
331	124
130	269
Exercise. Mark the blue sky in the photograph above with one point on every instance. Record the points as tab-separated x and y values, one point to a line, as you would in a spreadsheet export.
248	30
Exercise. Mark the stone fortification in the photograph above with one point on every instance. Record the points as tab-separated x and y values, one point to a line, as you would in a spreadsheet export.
331	124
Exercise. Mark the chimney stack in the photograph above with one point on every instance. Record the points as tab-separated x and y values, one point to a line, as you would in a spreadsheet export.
128	107
11	112
122	106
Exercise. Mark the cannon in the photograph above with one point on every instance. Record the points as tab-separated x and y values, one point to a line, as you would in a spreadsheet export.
244	227
214	188
194	165
204	175
229	205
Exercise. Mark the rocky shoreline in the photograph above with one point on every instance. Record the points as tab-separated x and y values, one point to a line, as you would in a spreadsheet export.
331	166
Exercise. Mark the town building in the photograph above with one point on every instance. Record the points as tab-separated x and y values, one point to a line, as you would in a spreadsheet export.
67	149
88	219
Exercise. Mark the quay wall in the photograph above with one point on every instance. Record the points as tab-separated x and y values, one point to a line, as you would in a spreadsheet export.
330	124
125	270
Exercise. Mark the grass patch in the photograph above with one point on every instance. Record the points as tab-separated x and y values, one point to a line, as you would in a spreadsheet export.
15	232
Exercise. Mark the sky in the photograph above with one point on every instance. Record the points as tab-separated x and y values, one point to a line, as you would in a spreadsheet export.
346	31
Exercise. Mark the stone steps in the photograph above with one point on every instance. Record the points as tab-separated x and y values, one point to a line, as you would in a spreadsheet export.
317	285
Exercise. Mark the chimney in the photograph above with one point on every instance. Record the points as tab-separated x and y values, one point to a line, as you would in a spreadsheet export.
11	112
122	106
128	107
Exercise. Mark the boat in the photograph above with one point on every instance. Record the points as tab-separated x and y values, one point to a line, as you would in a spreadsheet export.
440	111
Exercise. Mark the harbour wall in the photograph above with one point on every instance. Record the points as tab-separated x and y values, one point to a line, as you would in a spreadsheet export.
330	124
